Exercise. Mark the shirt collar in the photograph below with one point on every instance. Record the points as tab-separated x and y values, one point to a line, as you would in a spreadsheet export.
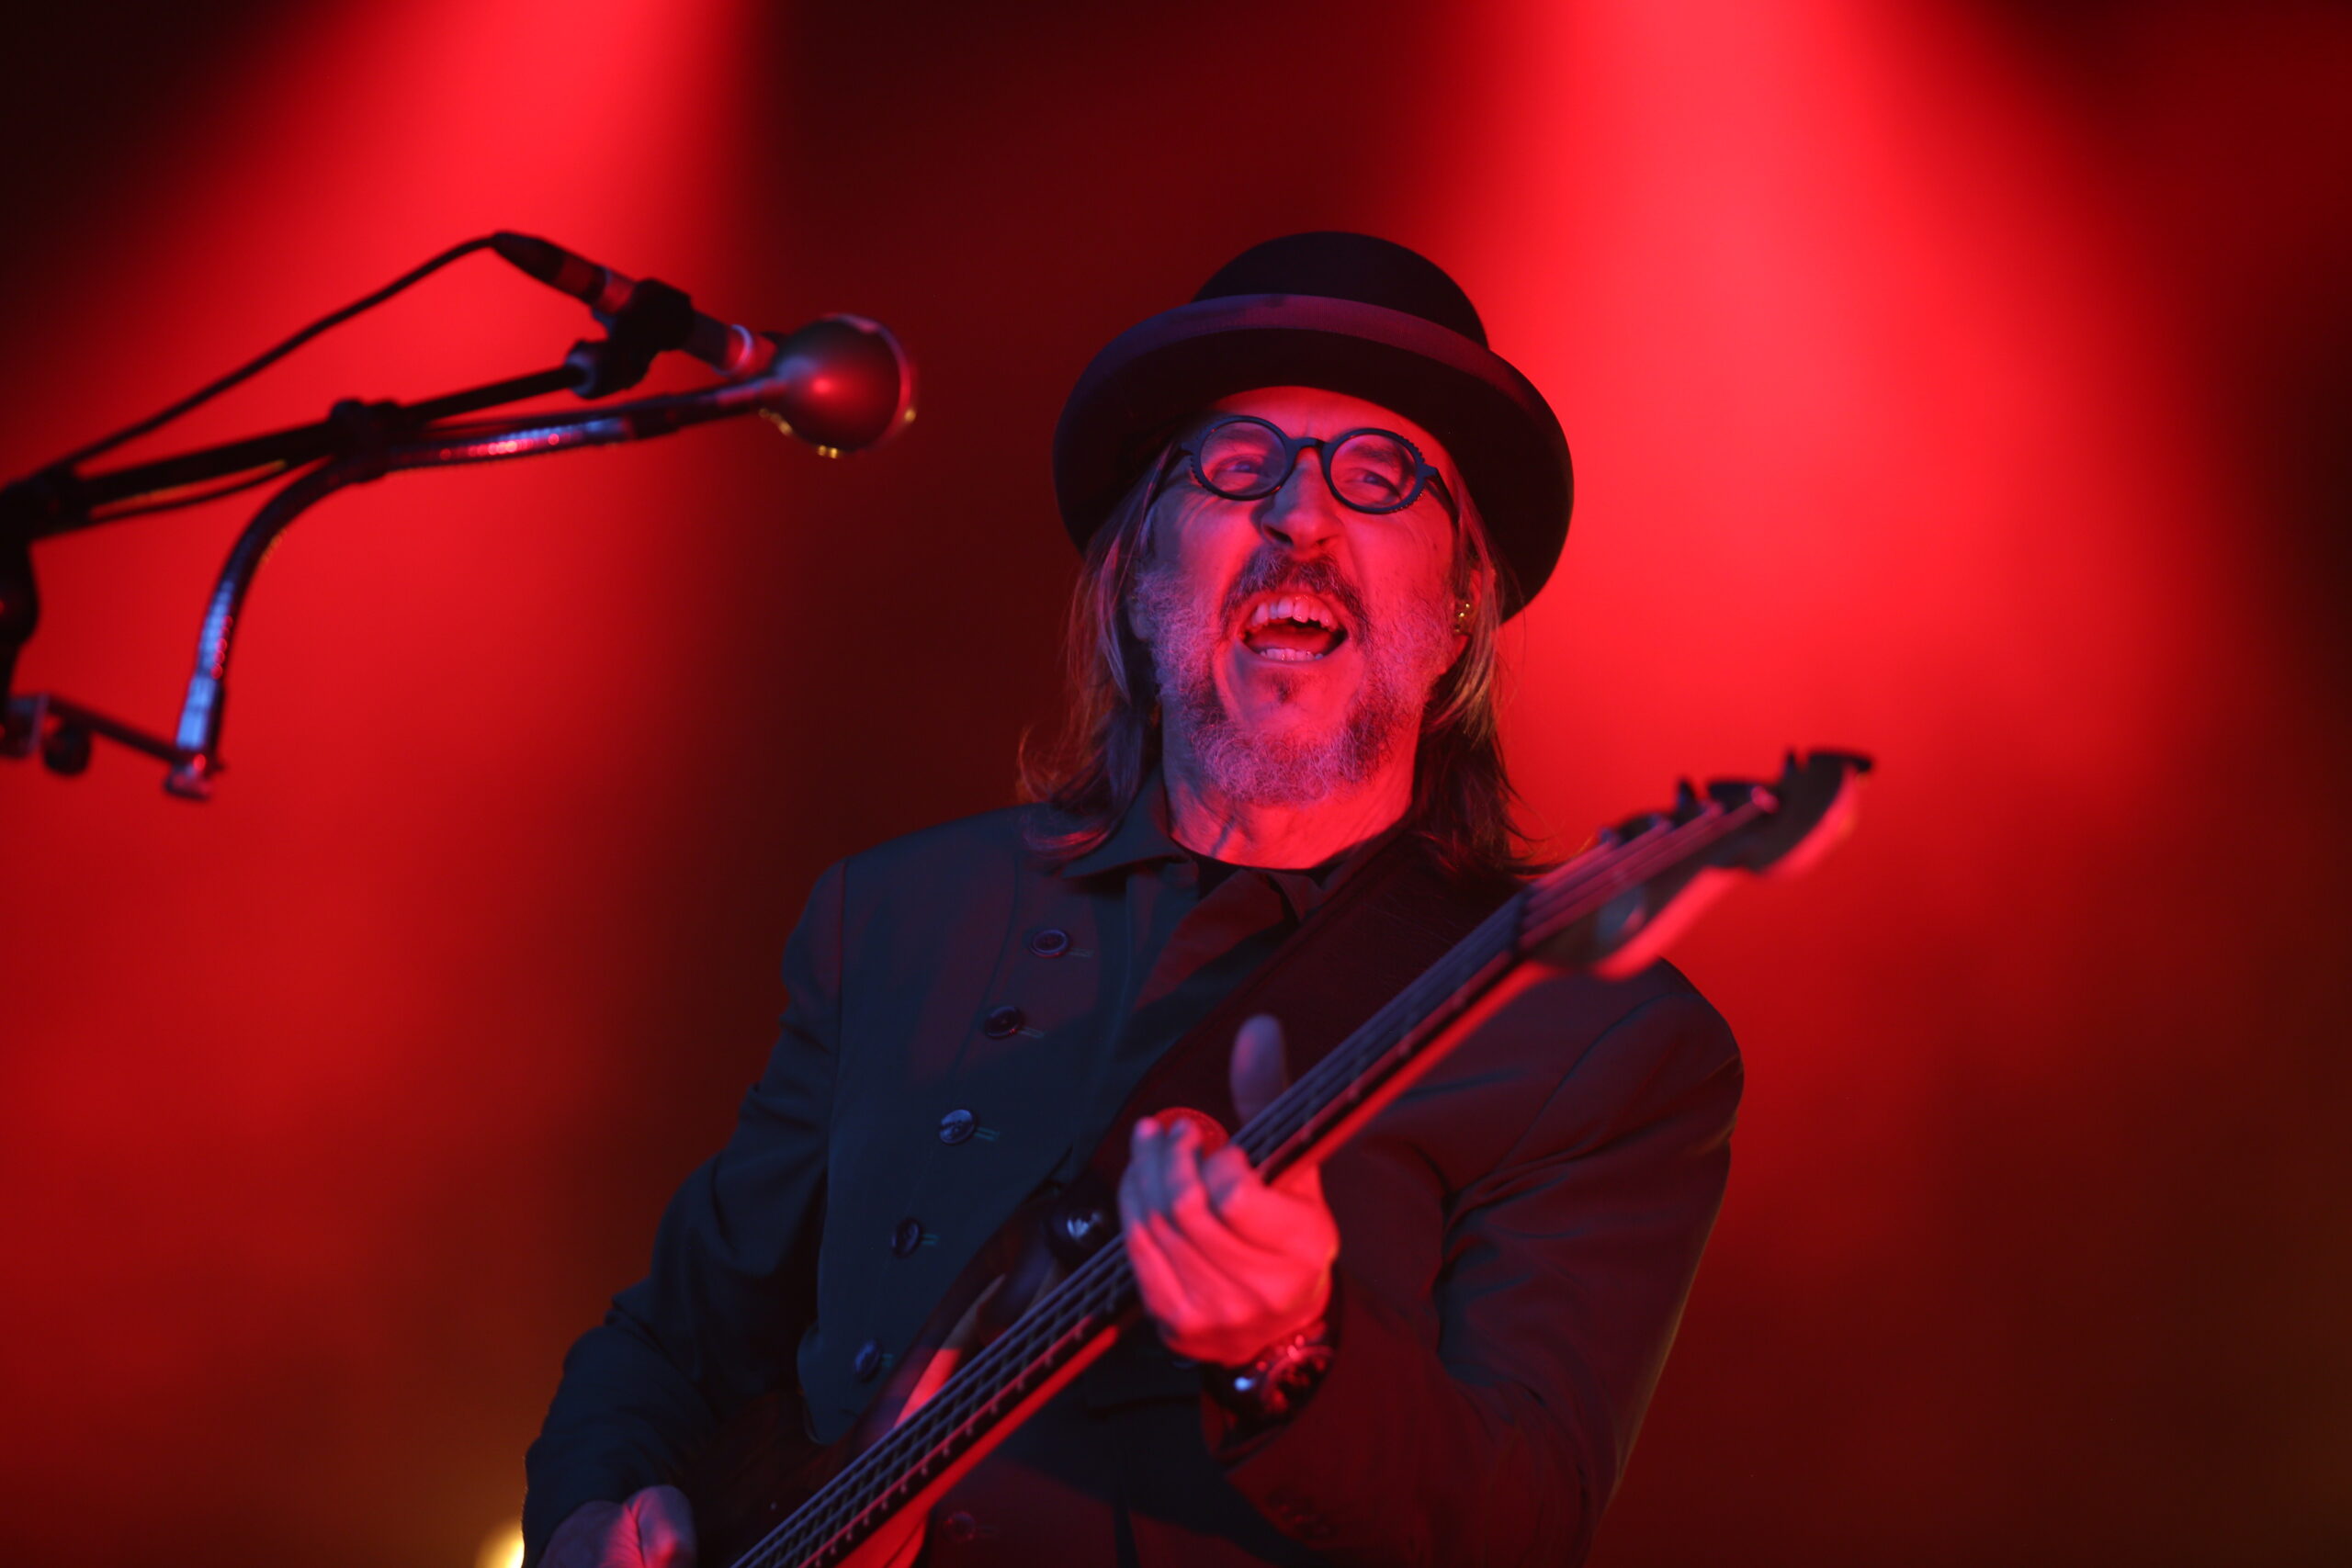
1142	837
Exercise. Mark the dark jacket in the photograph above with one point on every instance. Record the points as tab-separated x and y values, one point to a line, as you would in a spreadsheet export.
1518	1232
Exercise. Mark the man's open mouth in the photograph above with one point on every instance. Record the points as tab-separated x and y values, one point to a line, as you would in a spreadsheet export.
1292	628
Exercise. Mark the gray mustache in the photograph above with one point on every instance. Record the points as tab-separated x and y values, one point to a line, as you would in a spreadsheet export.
1270	571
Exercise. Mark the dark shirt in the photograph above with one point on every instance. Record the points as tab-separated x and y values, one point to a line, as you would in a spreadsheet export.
1194	928
1518	1231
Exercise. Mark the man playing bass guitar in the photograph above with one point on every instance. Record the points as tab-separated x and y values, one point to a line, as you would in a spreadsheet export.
1307	501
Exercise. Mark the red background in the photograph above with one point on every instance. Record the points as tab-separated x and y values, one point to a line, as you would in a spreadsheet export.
1963	382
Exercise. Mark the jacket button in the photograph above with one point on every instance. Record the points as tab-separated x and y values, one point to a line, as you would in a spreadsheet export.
868	1361
907	1237
1001	1022
957	1126
1051	942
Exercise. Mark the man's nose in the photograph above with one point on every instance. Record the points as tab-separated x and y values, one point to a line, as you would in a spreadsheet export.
1304	515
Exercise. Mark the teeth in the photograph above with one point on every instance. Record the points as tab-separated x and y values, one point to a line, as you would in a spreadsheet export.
1302	607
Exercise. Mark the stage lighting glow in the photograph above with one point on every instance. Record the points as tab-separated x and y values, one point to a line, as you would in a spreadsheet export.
502	1547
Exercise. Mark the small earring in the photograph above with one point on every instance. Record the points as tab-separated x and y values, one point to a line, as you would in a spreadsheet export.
1462	615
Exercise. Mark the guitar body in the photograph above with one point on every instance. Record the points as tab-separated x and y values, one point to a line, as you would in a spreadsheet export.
759	1467
762	1466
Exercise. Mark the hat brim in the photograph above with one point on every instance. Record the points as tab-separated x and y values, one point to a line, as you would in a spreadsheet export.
1502	436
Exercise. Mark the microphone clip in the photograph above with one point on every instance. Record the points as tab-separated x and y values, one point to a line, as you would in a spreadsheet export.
654	319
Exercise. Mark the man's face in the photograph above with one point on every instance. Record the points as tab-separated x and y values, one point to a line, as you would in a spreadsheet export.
1296	640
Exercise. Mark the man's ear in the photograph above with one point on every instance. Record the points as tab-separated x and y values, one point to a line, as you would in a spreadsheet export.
1473	596
1461	647
1469	602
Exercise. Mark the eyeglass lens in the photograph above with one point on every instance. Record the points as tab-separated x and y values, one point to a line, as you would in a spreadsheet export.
1371	470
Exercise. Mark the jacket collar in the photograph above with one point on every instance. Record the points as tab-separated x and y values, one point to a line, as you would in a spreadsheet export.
1141	836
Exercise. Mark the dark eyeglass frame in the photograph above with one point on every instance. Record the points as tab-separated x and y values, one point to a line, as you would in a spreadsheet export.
1424	476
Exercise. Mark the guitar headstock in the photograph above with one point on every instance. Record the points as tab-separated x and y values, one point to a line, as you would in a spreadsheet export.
1812	808
1614	909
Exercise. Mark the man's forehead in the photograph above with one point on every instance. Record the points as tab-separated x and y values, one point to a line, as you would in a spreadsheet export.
1316	412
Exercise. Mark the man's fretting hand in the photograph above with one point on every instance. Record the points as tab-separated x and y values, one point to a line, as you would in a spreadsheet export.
655	1528
1227	1263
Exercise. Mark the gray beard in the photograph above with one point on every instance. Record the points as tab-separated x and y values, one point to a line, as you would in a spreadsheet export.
1401	664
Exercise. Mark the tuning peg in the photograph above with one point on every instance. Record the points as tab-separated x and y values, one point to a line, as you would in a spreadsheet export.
1824	763
1732	793
1686	800
1641	822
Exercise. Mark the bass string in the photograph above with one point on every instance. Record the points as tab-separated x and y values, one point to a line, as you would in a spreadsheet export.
1551	909
1549	918
1104	1285
1516	923
926	1436
935	1433
1646	856
1494	937
1322	1084
841	1503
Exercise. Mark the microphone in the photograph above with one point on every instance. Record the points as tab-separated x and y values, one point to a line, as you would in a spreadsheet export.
731	350
842	383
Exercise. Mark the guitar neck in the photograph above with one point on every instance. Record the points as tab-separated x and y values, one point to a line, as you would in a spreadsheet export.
1576	915
1579	911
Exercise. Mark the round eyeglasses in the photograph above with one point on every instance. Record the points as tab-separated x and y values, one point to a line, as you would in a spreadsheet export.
1245	457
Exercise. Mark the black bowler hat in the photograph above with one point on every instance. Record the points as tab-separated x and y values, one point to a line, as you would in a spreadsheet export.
1349	313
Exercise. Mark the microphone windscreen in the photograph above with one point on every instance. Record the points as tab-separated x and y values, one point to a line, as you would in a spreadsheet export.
842	384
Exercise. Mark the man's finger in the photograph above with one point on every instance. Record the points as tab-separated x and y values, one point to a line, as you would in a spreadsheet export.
665	1522
1244	1206
1185	1288
1193	1231
1162	1286
1259	1071
584	1540
1177	1206
1148	1155
1285	1217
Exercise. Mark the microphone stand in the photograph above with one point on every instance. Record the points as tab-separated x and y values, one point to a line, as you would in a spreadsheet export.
57	501
357	443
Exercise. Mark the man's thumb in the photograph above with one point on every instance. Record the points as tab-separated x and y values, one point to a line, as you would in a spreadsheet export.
1260	1072
665	1522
